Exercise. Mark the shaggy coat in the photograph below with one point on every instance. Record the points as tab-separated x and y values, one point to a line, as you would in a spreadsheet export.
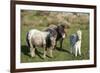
36	38
59	31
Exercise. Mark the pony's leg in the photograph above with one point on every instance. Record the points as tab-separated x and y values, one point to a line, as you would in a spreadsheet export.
32	50
76	50
55	45
45	53
71	49
52	47
61	41
51	52
79	49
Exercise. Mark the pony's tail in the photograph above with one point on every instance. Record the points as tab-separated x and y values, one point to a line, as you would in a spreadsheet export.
27	40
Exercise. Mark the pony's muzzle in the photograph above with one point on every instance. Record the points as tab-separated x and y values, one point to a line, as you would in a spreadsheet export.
63	36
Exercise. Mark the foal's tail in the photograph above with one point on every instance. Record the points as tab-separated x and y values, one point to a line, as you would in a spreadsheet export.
27	40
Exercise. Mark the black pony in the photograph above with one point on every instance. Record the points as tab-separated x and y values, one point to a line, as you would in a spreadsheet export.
59	31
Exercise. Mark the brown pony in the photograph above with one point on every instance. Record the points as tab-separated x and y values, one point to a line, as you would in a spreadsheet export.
60	32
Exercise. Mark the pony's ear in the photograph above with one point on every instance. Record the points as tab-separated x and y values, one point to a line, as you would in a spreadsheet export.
63	25
60	25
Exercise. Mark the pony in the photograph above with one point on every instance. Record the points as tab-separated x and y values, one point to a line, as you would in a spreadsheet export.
36	38
75	41
60	32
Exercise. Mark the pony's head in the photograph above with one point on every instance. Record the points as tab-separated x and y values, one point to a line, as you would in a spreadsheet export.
79	34
61	30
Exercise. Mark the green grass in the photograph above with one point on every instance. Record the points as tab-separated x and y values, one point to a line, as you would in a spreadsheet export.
59	54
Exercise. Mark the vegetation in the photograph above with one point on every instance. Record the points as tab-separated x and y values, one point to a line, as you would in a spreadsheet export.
41	20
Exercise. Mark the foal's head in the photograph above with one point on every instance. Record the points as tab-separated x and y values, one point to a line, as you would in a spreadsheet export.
79	34
61	31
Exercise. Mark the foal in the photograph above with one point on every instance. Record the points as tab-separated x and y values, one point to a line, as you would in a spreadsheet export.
75	41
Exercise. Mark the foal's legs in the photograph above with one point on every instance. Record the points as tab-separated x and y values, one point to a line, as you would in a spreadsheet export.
79	49
71	49
76	50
